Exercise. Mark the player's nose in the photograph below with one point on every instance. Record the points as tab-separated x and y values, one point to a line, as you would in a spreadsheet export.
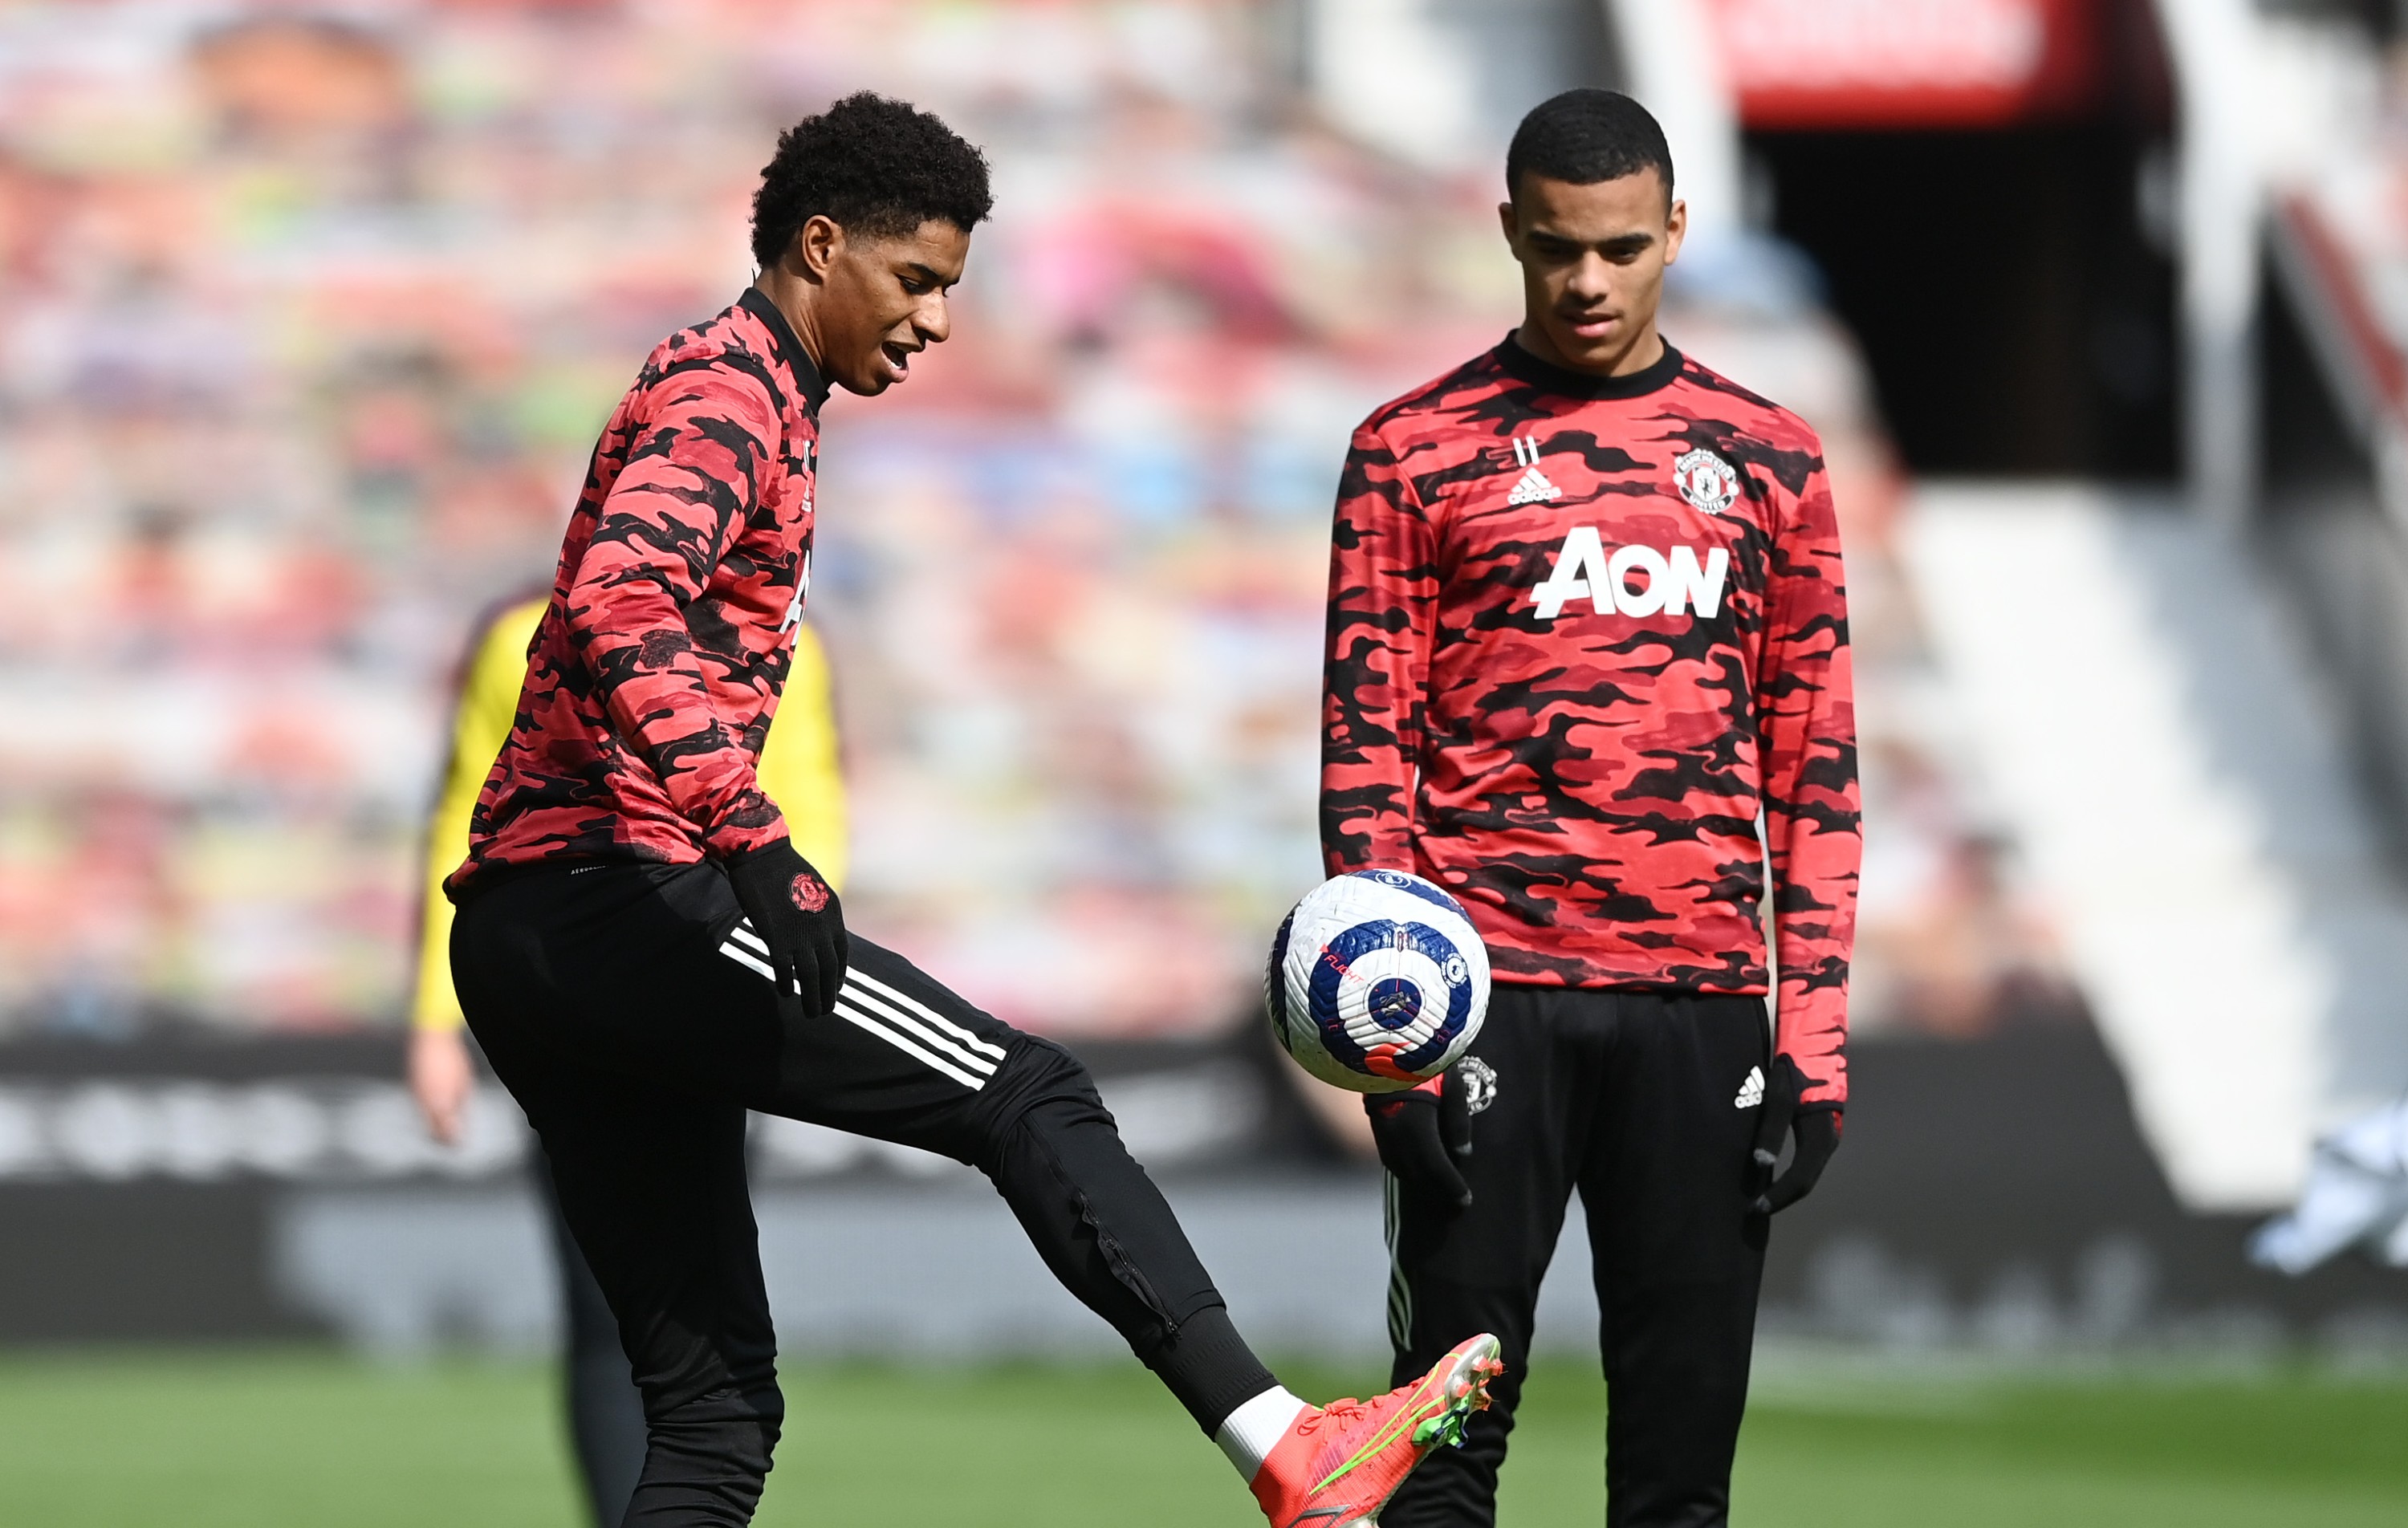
1593	276
933	321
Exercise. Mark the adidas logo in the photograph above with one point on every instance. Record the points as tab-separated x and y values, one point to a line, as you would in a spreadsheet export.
1534	487
1751	1092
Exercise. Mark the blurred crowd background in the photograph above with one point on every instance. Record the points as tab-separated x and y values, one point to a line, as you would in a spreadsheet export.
310	314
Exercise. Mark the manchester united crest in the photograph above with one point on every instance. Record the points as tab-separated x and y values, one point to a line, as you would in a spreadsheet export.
1706	481
1479	1084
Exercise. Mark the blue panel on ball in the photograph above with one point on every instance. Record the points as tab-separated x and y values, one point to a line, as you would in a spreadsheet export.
1275	979
1394	1003
1339	955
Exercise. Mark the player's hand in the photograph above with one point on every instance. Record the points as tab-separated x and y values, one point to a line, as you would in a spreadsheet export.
1424	1137
441	1080
795	912
1817	1127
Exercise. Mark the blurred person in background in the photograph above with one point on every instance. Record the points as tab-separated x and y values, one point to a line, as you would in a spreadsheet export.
644	954
799	770
1588	622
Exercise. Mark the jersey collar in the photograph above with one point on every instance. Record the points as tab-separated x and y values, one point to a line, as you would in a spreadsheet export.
790	348
1549	378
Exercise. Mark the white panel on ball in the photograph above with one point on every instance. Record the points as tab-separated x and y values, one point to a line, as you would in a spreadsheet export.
1377	982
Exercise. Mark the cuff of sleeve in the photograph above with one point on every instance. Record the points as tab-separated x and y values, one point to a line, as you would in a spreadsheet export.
733	858
751	820
1818	1093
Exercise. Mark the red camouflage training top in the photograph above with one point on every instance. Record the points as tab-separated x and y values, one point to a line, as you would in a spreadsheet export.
1582	630
652	676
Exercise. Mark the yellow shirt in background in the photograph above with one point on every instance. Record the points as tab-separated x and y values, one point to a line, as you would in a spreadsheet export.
798	771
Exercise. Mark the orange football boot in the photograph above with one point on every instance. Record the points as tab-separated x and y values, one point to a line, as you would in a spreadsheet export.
1338	1465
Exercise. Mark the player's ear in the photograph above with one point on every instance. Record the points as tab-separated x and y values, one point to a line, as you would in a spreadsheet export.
1509	222
1676	227
817	245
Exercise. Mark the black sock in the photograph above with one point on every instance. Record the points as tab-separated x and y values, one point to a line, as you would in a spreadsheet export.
1210	1369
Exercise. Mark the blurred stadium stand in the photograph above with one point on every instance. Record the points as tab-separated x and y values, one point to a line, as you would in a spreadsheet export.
1999	1196
308	315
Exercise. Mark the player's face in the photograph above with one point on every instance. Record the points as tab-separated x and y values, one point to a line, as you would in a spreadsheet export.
884	300
1593	261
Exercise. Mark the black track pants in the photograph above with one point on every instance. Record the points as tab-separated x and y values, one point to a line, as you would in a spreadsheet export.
629	1011
606	1413
1633	1099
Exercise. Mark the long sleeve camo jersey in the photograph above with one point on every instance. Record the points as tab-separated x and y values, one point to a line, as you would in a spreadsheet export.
658	664
1582	630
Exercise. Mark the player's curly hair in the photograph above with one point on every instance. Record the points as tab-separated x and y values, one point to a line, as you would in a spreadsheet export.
877	167
1587	136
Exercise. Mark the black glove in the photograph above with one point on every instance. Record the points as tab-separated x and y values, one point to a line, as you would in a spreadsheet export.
1817	1129
794	911
1424	1138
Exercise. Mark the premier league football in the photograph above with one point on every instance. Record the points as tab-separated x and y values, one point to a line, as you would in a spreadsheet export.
1377	982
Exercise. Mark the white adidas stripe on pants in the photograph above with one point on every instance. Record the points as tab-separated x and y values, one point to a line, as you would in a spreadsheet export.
895	1017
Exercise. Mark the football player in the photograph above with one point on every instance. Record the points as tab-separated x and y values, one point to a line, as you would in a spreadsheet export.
643	954
799	770
1587	638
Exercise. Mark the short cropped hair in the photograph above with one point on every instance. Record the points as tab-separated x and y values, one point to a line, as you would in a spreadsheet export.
1585	136
877	167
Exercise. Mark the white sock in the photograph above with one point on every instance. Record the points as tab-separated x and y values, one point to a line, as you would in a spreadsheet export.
1255	1429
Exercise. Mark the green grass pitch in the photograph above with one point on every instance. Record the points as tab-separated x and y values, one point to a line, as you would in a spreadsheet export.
264	1440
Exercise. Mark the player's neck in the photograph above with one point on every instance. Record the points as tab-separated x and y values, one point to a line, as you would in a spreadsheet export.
1645	349
798	300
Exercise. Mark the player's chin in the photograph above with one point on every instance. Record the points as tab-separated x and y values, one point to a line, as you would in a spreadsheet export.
870	377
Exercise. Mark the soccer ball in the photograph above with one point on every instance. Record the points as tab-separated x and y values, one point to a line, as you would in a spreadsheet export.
1377	982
